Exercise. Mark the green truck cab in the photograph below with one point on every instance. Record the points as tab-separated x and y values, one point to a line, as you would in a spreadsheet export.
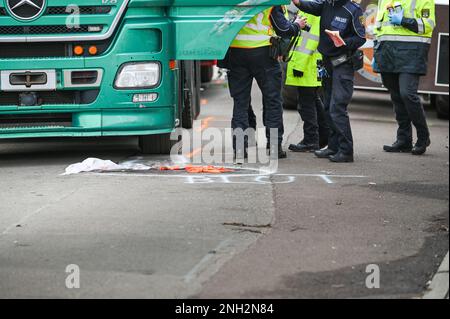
110	67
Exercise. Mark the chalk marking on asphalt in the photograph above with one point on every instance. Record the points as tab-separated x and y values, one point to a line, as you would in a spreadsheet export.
24	219
258	179
223	175
327	179
202	265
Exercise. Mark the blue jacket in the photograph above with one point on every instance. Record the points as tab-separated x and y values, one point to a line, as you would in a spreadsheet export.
344	16
283	27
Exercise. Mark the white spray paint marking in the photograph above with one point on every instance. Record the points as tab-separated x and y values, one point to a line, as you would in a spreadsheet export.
255	179
203	264
24	219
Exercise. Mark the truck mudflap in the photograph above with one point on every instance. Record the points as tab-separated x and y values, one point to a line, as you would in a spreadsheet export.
195	21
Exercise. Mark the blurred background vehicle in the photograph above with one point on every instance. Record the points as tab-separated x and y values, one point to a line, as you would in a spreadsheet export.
434	86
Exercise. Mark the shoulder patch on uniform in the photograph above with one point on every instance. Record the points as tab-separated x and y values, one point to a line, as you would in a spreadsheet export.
362	19
426	13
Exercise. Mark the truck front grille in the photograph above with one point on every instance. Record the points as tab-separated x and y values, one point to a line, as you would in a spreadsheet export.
52	98
51	29
47	50
48	120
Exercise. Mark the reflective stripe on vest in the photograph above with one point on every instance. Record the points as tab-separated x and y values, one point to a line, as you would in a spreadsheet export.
256	33
414	9
402	38
303	47
305	56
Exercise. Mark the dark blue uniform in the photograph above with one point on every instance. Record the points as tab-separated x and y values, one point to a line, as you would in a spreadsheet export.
346	17
248	64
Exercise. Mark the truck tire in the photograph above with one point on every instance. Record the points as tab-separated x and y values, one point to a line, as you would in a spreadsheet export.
156	144
207	74
440	102
192	88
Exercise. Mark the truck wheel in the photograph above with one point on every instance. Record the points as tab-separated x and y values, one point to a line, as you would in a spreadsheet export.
188	112
192	88
156	144
207	74
440	102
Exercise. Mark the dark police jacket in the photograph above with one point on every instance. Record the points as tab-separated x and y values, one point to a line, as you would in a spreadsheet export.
283	27
344	16
402	57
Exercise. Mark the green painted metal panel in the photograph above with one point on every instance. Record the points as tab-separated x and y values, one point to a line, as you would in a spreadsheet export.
148	30
204	31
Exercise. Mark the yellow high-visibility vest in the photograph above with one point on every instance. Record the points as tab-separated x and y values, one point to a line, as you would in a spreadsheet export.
305	56
421	10
256	33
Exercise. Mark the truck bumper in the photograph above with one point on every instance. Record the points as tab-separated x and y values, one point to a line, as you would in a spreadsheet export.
119	122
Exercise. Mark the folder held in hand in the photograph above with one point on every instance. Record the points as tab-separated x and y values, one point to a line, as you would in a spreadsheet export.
336	38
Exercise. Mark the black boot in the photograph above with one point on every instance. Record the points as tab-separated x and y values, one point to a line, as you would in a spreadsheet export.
326	153
303	147
421	147
281	154
342	158
398	147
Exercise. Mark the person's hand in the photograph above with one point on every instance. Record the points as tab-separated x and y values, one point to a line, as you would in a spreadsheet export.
396	18
302	22
296	2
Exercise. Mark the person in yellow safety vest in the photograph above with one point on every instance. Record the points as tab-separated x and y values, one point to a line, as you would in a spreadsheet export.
404	30
250	58
302	72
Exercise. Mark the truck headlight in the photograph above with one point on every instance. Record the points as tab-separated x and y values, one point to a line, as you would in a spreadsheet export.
138	75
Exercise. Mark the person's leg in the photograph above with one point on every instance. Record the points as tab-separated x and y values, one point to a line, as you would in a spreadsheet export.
324	127
404	132
268	75
308	113
343	86
409	85
240	82
333	144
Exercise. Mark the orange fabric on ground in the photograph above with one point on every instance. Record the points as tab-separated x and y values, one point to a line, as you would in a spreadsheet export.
197	169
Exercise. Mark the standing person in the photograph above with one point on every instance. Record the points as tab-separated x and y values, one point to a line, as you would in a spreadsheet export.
345	17
302	73
404	32
249	58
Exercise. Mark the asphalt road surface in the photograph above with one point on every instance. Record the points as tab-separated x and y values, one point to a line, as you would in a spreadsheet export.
308	231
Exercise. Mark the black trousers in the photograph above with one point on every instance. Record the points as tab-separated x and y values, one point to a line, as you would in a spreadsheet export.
338	93
408	107
245	66
312	112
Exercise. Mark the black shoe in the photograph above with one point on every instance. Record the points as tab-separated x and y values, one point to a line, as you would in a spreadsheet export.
303	148
281	154
398	147
342	158
421	148
326	153
323	143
